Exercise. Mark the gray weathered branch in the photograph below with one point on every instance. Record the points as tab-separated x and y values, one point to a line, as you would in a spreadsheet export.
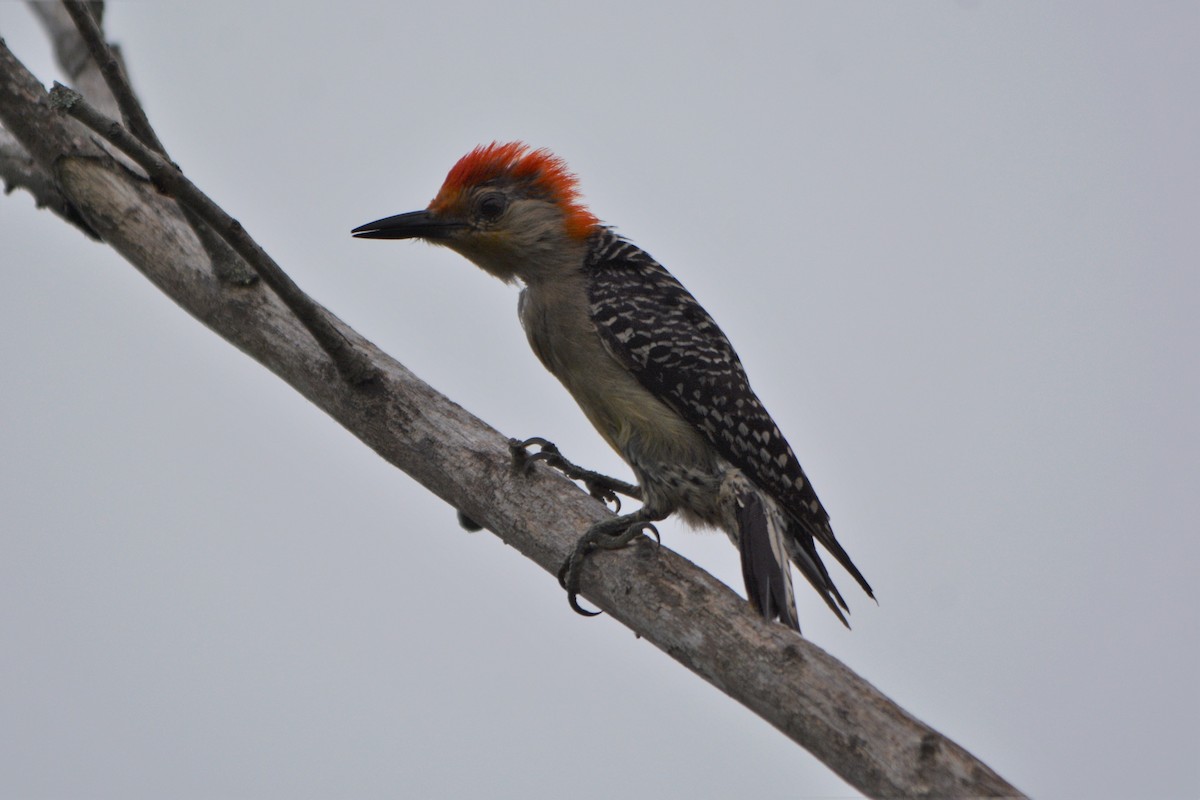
73	54
169	178
18	170
793	684
112	68
97	70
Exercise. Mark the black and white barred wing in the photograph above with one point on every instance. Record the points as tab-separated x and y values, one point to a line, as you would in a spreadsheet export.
653	325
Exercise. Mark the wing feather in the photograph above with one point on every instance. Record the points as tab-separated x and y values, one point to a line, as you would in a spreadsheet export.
674	348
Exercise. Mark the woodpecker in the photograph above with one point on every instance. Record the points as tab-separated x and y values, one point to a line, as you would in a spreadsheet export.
646	363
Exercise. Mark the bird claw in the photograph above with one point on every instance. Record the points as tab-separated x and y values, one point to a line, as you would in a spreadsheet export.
568	579
598	537
603	493
573	599
522	459
601	487
610	534
616	541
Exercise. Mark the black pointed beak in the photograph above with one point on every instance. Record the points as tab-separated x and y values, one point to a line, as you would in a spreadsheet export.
413	225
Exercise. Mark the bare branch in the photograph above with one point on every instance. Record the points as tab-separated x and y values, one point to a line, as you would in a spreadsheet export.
72	52
790	682
169	178
113	70
98	71
18	170
31	137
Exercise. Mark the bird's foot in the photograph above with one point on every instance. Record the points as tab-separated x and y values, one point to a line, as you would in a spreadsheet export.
611	534
599	486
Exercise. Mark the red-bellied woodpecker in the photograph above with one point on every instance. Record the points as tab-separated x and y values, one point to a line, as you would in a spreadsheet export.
646	363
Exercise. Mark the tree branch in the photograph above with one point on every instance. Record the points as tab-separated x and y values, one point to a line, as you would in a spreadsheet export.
18	170
98	70
793	684
113	70
73	54
170	179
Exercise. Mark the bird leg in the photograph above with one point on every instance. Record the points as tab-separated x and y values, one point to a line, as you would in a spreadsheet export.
609	534
599	486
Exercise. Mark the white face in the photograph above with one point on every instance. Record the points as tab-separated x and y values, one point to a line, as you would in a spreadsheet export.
514	237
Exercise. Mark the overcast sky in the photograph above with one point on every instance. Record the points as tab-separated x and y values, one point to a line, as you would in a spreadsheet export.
954	243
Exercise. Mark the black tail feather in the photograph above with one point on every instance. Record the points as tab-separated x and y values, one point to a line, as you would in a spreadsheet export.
825	536
764	568
806	558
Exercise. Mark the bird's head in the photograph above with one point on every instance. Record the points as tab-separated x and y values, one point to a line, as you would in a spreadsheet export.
512	210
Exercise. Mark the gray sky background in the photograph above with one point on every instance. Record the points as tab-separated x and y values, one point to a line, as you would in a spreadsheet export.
954	243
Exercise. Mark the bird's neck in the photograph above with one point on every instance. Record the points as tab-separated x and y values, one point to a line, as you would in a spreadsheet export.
534	255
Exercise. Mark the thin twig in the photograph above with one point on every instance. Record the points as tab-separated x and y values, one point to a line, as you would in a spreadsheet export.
114	75
226	263
169	179
69	49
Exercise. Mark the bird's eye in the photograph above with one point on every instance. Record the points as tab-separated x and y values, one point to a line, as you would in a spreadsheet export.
491	206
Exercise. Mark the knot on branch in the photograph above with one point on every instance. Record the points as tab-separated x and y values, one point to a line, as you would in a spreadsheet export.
64	98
